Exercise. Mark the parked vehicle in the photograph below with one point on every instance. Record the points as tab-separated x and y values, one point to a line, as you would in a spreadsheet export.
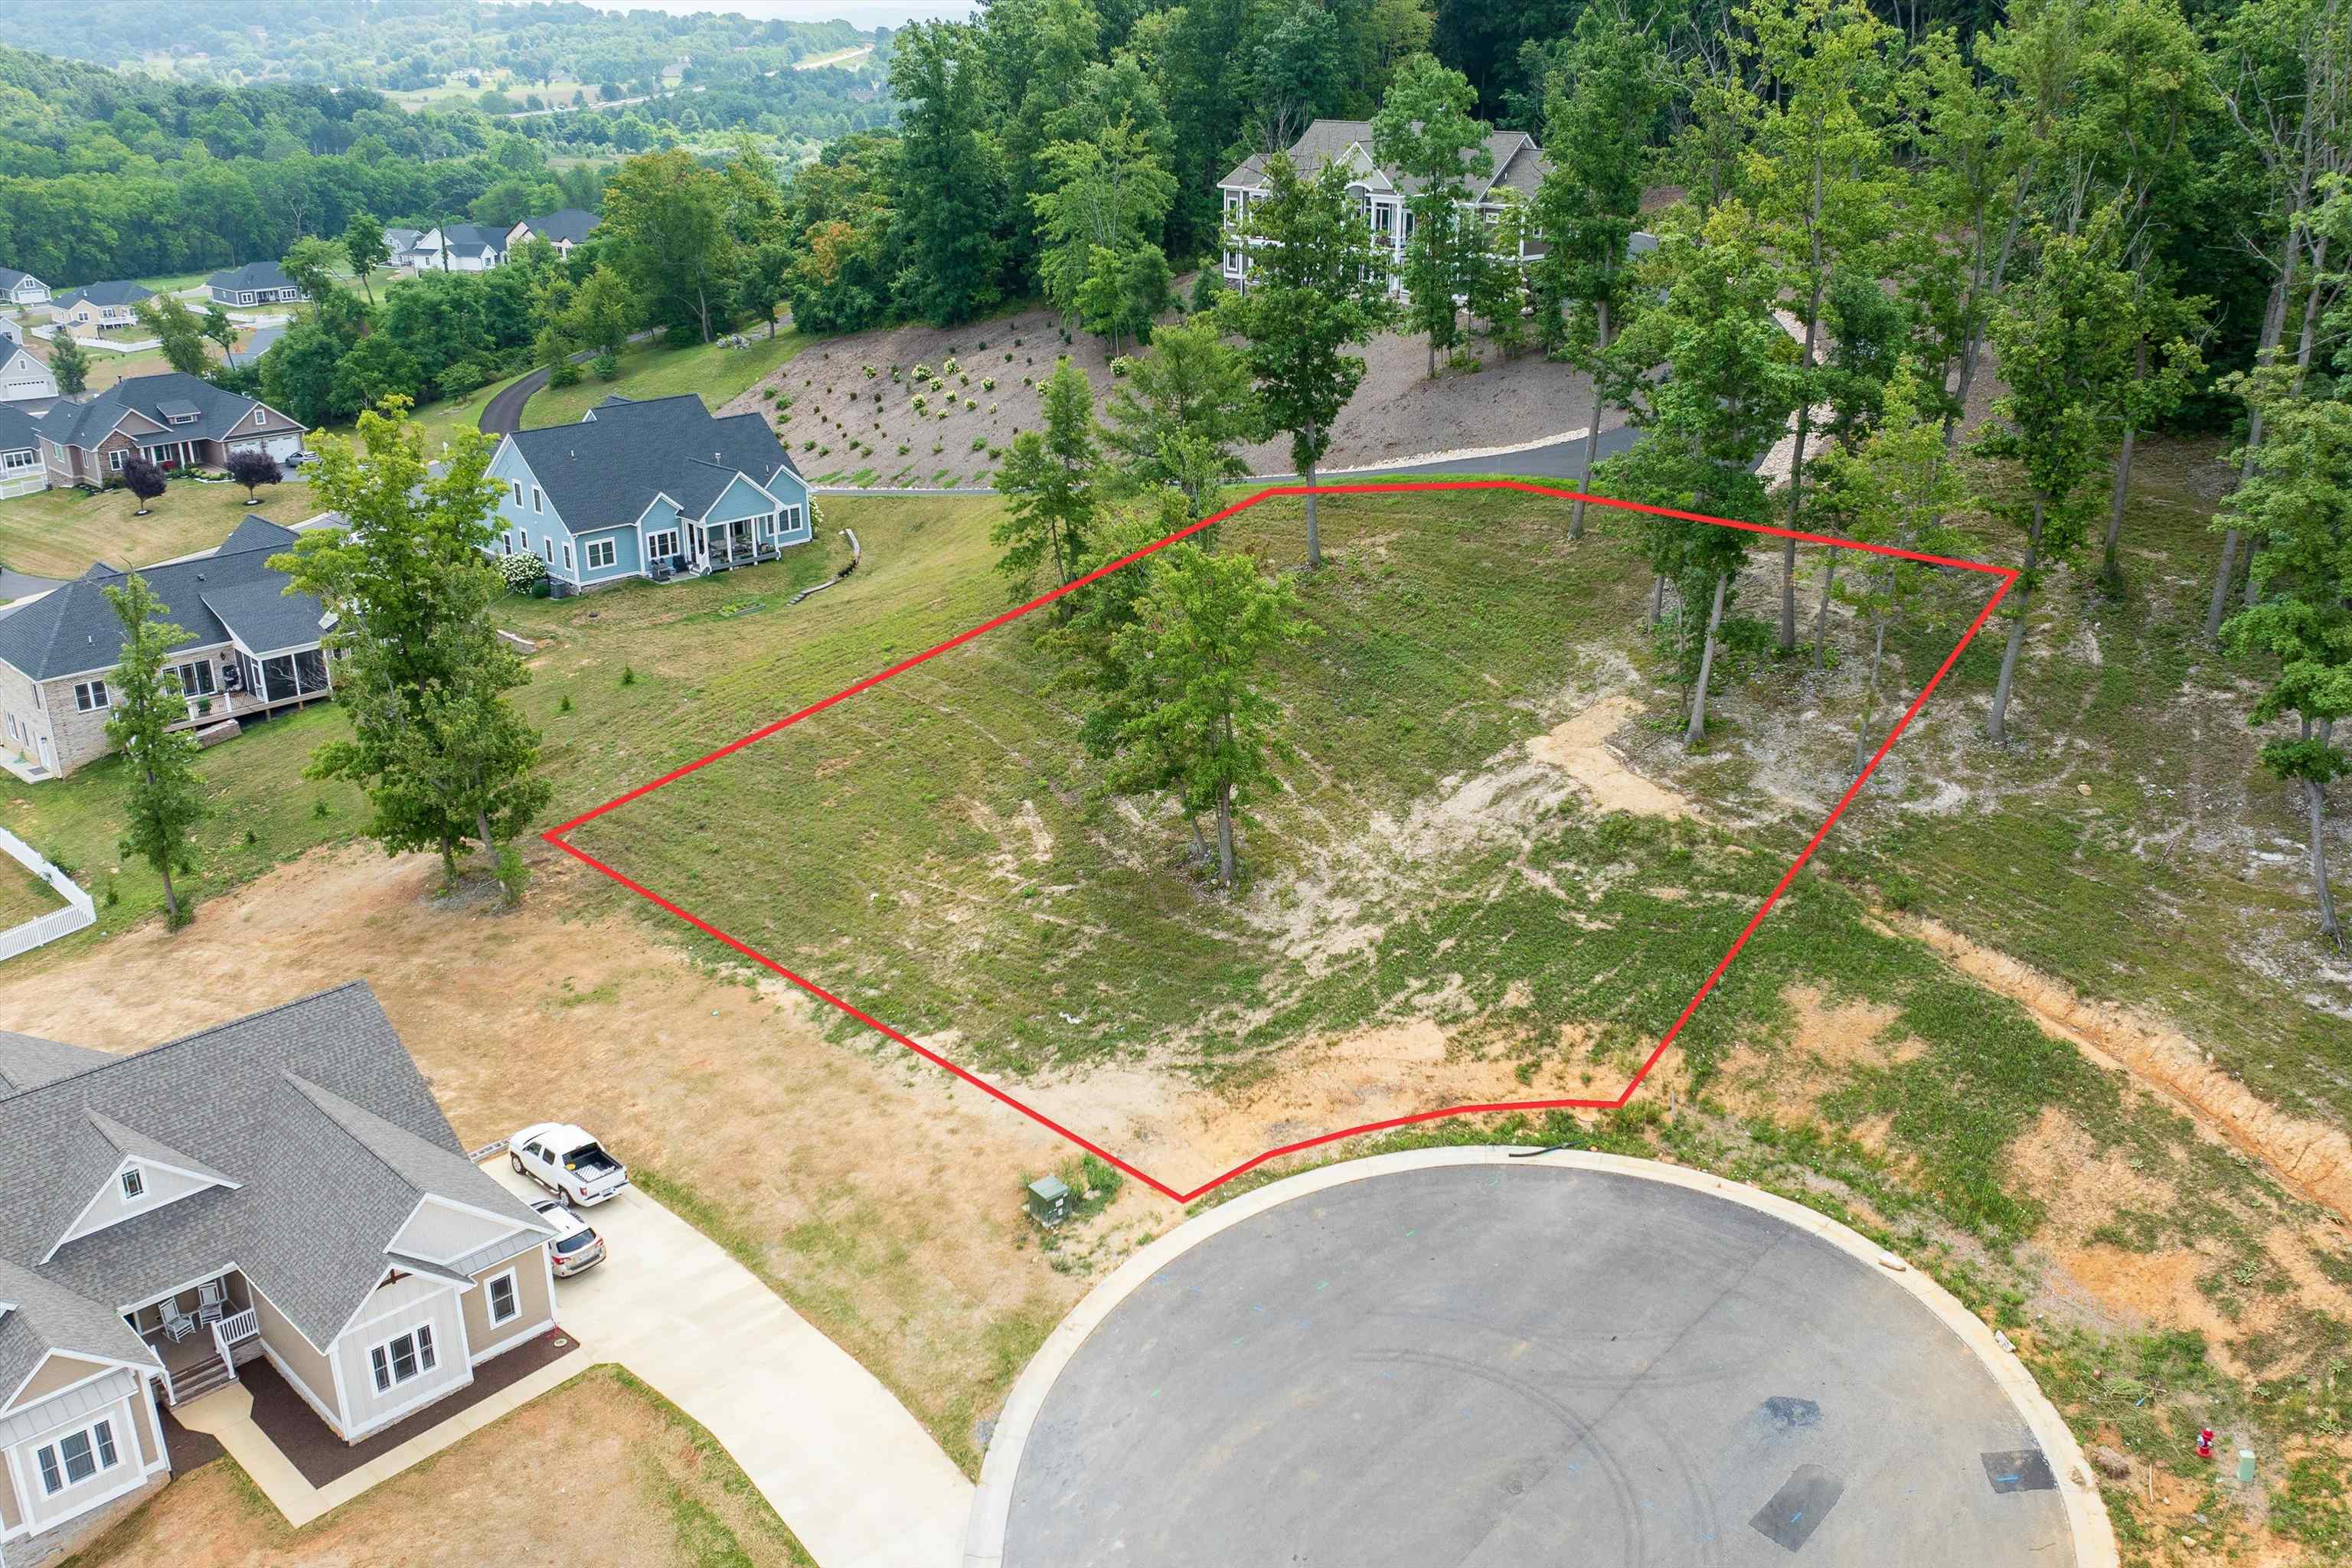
576	1245
567	1162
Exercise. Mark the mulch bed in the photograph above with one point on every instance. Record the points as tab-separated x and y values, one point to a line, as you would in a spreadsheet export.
322	1456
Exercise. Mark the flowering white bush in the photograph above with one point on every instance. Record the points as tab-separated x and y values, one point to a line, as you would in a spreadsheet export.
521	570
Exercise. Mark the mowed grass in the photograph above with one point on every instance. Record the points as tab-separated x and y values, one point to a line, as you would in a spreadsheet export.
59	533
653	370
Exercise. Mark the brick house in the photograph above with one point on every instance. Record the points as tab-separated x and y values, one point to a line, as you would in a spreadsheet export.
252	650
179	421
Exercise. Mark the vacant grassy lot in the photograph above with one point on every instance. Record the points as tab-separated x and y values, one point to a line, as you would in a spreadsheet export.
57	533
652	370
602	1459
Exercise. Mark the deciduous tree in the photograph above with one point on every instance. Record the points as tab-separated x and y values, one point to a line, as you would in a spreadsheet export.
1425	130
1181	411
1048	479
166	799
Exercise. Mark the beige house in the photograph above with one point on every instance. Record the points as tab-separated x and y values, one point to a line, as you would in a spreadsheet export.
253	651
282	1189
97	306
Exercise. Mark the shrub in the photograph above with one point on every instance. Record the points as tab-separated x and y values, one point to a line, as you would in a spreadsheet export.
970	404
920	403
808	446
904	448
768	393
922	372
628	675
947	366
869	372
607	366
1205	289
520	572
964	380
564	372
979	443
564	706
988	383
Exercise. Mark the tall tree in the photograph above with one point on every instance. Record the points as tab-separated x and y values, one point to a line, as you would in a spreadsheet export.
180	330
2065	338
1180	410
1598	114
1704	317
365	249
950	185
1819	176
1048	479
165	800
2296	499
411	586
69	362
1424	132
312	264
1314	290
218	327
1205	627
664	222
1102	201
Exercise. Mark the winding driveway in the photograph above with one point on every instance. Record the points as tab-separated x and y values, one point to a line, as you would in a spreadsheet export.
503	415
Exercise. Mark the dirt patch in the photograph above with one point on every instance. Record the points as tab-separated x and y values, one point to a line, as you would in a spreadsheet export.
1397	413
2079	1187
593	1460
2311	1159
1580	748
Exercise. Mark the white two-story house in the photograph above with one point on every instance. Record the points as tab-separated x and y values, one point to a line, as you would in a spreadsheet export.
282	1190
1514	164
22	289
655	488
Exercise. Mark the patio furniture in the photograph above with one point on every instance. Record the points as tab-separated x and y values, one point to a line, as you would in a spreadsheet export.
179	1326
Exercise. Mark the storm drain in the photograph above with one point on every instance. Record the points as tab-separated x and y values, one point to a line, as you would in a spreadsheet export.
2020	1470
1797	1509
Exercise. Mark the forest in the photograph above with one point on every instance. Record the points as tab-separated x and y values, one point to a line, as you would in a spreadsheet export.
396	45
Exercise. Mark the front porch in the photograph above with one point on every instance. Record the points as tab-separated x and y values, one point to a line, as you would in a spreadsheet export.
201	1335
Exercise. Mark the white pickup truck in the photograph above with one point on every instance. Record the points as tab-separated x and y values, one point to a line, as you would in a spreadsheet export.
567	1162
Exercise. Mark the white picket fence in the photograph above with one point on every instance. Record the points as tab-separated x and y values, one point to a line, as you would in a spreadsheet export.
77	913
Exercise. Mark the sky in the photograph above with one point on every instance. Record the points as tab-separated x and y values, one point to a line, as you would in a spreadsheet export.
864	14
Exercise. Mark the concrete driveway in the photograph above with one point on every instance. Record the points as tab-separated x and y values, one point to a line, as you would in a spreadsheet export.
855	1476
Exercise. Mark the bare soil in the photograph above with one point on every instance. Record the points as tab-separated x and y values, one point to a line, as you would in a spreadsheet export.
593	1461
1397	413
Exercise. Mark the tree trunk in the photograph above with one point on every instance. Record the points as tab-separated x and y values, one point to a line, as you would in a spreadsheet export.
1593	425
1314	535
2274	326
1225	833
1997	721
171	897
1657	598
1697	730
1870	701
2316	799
1200	852
1821	617
1972	346
702	310
2111	569
448	856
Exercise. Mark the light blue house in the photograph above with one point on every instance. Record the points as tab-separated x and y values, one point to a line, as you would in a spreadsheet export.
658	488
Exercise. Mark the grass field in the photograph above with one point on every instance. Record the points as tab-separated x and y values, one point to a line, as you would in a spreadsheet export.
57	533
652	370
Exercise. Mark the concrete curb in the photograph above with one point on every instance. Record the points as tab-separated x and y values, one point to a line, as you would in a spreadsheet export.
992	1506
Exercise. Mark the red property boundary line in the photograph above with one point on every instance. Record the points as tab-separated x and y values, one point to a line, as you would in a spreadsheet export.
2006	575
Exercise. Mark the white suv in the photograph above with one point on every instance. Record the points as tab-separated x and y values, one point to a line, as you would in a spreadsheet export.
566	1162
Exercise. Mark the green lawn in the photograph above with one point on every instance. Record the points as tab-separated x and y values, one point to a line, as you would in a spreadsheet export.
651	369
57	533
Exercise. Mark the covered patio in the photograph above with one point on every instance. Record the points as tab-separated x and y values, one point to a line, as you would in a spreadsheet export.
202	1333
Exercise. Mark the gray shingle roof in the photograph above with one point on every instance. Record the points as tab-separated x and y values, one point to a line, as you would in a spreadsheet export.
314	1106
18	429
37	1316
131	1143
397	240
607	468
115	291
1513	159
87	424
255	275
27	1061
72	629
10	278
570	223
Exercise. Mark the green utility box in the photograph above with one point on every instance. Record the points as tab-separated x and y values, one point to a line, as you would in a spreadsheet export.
1049	1201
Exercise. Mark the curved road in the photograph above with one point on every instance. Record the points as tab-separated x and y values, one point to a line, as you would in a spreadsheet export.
503	415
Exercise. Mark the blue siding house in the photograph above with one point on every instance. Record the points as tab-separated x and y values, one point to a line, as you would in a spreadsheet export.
657	489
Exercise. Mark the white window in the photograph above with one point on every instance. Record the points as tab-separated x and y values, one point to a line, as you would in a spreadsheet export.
518	490
75	1457
601	555
88	695
791	519
663	545
538	500
567	555
134	1184
196	679
506	1304
403	1359
114	459
23	459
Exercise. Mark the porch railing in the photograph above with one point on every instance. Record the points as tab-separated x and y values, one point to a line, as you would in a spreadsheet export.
235	1329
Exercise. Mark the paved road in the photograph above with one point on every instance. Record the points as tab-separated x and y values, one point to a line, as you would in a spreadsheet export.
856	1477
503	413
1487	1365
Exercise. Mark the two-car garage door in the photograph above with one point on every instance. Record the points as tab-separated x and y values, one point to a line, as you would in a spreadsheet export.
278	447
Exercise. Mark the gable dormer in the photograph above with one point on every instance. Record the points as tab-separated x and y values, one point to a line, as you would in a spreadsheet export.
146	1175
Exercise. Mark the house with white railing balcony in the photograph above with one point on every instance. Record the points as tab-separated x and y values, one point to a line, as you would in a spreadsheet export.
1514	164
278	1198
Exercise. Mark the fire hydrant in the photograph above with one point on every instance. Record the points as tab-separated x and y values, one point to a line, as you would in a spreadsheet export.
2205	1442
